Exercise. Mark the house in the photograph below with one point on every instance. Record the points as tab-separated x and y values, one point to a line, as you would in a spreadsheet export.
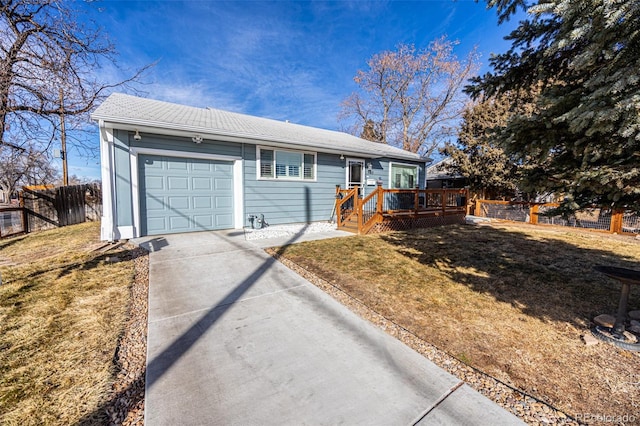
170	168
440	176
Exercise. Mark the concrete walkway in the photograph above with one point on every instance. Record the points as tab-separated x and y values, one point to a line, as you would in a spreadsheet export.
236	338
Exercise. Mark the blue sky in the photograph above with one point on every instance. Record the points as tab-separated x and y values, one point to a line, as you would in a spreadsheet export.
286	60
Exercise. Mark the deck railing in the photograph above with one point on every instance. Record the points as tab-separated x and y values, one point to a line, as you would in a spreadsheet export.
386	204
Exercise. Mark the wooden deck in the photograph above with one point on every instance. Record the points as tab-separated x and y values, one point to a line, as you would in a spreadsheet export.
399	209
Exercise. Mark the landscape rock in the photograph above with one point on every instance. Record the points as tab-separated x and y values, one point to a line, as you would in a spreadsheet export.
634	315
634	329
605	320
589	340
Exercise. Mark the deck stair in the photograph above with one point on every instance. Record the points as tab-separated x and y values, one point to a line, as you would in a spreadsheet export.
350	225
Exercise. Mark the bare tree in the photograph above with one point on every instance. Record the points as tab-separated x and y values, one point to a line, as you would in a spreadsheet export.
48	69
26	166
410	98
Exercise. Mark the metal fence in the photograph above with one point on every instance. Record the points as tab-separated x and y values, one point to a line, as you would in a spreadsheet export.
12	221
598	219
515	212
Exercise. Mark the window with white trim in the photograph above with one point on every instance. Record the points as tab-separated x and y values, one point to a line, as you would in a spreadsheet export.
403	176
286	164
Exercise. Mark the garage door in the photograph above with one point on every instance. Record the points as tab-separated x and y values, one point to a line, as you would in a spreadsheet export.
184	194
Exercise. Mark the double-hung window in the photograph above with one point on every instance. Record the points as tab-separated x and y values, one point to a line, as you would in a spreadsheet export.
286	164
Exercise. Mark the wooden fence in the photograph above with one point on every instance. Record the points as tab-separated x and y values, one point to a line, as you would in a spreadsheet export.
593	219
45	208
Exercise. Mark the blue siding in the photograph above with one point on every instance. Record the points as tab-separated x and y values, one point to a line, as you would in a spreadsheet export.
280	201
175	143
287	201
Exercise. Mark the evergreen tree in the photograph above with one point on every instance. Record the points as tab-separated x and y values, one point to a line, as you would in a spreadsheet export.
583	138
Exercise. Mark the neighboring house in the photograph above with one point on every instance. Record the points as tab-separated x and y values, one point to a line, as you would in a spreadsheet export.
439	176
170	168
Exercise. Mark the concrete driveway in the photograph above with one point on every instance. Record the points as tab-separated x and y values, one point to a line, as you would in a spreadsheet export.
236	338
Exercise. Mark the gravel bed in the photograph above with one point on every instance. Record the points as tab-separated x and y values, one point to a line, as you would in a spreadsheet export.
126	403
528	408
276	231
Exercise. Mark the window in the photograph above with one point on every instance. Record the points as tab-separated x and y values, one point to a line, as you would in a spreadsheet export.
266	163
288	164
309	169
403	176
281	164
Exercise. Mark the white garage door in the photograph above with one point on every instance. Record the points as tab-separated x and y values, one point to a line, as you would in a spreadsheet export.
184	194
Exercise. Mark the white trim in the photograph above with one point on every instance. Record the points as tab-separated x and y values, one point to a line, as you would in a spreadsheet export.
106	173
125	232
238	195
238	214
394	163
286	179
182	154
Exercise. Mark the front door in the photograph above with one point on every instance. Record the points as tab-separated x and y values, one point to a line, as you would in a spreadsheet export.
355	174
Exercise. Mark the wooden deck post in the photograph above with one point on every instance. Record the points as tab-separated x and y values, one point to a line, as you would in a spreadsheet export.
416	201
616	222
357	206
336	207
380	199
477	211
443	201
533	214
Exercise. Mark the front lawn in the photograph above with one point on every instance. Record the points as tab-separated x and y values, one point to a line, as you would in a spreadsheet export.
510	301
64	302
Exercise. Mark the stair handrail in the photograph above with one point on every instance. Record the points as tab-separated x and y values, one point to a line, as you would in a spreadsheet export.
364	226
347	195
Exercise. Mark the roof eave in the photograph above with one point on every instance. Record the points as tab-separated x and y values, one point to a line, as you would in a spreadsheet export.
146	126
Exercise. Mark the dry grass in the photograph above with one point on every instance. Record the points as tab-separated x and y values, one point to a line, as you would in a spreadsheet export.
510	301
62	310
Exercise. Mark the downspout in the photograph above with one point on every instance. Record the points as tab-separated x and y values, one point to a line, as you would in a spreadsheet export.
108	184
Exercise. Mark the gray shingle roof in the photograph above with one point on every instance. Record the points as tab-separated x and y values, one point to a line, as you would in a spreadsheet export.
135	111
440	170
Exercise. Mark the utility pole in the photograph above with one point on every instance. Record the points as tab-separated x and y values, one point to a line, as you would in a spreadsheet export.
63	142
